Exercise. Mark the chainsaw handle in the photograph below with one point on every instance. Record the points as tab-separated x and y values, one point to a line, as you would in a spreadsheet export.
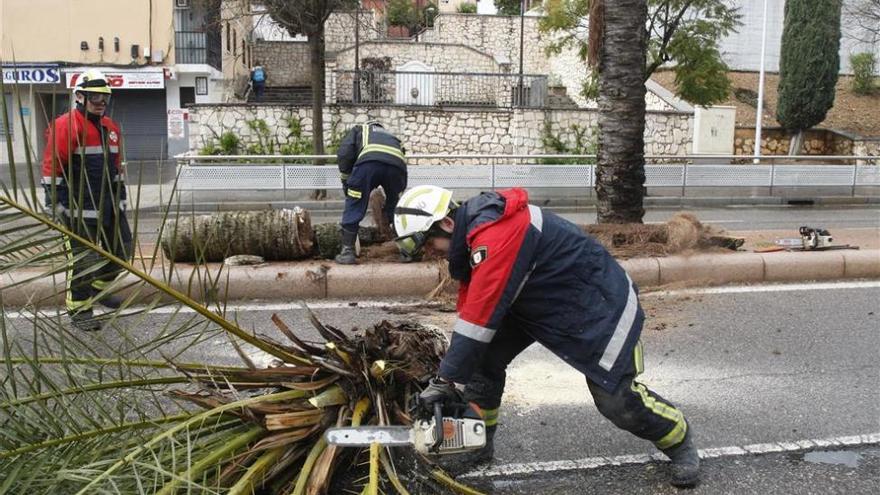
438	427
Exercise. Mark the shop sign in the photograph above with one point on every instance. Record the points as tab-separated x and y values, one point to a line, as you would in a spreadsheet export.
26	74
125	80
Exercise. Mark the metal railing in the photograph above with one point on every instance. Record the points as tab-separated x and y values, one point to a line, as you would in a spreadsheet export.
441	89
195	47
530	171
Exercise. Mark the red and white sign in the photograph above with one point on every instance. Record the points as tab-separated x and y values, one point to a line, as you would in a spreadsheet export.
125	80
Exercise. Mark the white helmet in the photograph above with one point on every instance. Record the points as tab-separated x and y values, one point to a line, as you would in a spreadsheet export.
416	212
92	81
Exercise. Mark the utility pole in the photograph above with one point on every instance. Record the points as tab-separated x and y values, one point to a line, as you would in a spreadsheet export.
759	119
522	24
356	96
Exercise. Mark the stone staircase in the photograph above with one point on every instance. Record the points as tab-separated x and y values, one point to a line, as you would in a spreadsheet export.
287	95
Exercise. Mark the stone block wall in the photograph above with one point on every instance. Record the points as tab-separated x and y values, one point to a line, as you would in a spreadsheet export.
427	130
654	102
287	63
497	35
866	147
776	141
339	29
442	57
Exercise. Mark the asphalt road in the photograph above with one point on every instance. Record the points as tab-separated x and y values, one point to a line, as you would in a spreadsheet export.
731	218
780	365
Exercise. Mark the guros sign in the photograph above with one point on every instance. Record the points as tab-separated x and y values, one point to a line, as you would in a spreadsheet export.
125	80
26	74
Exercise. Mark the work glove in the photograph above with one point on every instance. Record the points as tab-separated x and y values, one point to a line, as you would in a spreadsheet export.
439	391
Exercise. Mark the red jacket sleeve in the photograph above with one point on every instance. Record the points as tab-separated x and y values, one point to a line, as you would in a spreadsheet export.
501	255
58	142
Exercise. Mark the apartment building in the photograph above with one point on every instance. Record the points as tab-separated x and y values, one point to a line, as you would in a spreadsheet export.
159	56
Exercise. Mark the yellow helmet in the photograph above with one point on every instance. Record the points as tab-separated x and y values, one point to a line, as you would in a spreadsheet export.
92	81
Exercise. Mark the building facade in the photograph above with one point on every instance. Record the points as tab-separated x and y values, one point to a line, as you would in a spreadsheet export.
742	50
159	56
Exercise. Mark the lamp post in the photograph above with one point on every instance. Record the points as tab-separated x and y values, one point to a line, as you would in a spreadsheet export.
356	95
522	24
759	119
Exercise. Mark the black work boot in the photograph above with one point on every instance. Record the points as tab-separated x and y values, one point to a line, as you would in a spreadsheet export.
456	464
348	255
685	462
110	301
85	320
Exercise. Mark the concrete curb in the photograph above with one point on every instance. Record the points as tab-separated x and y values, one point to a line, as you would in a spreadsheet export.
320	280
336	206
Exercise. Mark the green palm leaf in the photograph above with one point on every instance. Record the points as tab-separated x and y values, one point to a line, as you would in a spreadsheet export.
92	412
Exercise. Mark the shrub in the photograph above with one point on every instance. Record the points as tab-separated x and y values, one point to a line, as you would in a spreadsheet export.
467	8
584	143
401	13
809	62
863	65
229	143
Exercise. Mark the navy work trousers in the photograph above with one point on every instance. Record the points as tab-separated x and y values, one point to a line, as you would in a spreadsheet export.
363	179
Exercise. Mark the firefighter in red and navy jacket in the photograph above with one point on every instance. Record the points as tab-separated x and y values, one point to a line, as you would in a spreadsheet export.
83	181
528	276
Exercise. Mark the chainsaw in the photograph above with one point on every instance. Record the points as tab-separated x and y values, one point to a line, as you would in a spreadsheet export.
452	429
812	239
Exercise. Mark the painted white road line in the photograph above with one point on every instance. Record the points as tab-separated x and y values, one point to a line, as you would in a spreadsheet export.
745	289
241	308
718	452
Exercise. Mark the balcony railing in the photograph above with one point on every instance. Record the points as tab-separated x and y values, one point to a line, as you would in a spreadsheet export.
441	89
195	47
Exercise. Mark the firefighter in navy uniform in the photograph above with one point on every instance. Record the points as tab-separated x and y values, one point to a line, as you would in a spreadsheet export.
528	276
369	156
83	181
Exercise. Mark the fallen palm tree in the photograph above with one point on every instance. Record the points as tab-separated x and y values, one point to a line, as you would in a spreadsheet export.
125	410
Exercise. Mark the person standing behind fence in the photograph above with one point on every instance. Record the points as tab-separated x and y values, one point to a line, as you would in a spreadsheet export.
83	180
368	157
258	80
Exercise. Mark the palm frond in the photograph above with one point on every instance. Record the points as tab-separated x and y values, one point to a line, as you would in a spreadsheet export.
93	413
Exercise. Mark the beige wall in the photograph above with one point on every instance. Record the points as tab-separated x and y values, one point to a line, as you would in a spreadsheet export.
236	26
51	30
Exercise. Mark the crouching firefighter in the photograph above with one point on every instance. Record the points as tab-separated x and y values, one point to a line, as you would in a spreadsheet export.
526	276
368	157
83	181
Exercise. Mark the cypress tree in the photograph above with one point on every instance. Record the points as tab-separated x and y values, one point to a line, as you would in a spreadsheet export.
809	63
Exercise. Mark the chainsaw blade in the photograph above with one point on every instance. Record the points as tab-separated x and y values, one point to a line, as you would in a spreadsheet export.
364	436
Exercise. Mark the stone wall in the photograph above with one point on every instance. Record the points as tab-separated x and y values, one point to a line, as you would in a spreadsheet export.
339	29
497	35
426	130
286	62
866	147
776	141
654	102
443	58
383	88
572	73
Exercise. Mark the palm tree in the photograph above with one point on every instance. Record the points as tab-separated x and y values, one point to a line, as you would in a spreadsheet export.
619	26
128	409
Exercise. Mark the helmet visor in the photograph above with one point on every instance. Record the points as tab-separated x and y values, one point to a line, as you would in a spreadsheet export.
412	244
96	98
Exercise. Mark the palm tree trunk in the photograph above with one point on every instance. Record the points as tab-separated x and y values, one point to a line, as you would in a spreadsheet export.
620	173
316	46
